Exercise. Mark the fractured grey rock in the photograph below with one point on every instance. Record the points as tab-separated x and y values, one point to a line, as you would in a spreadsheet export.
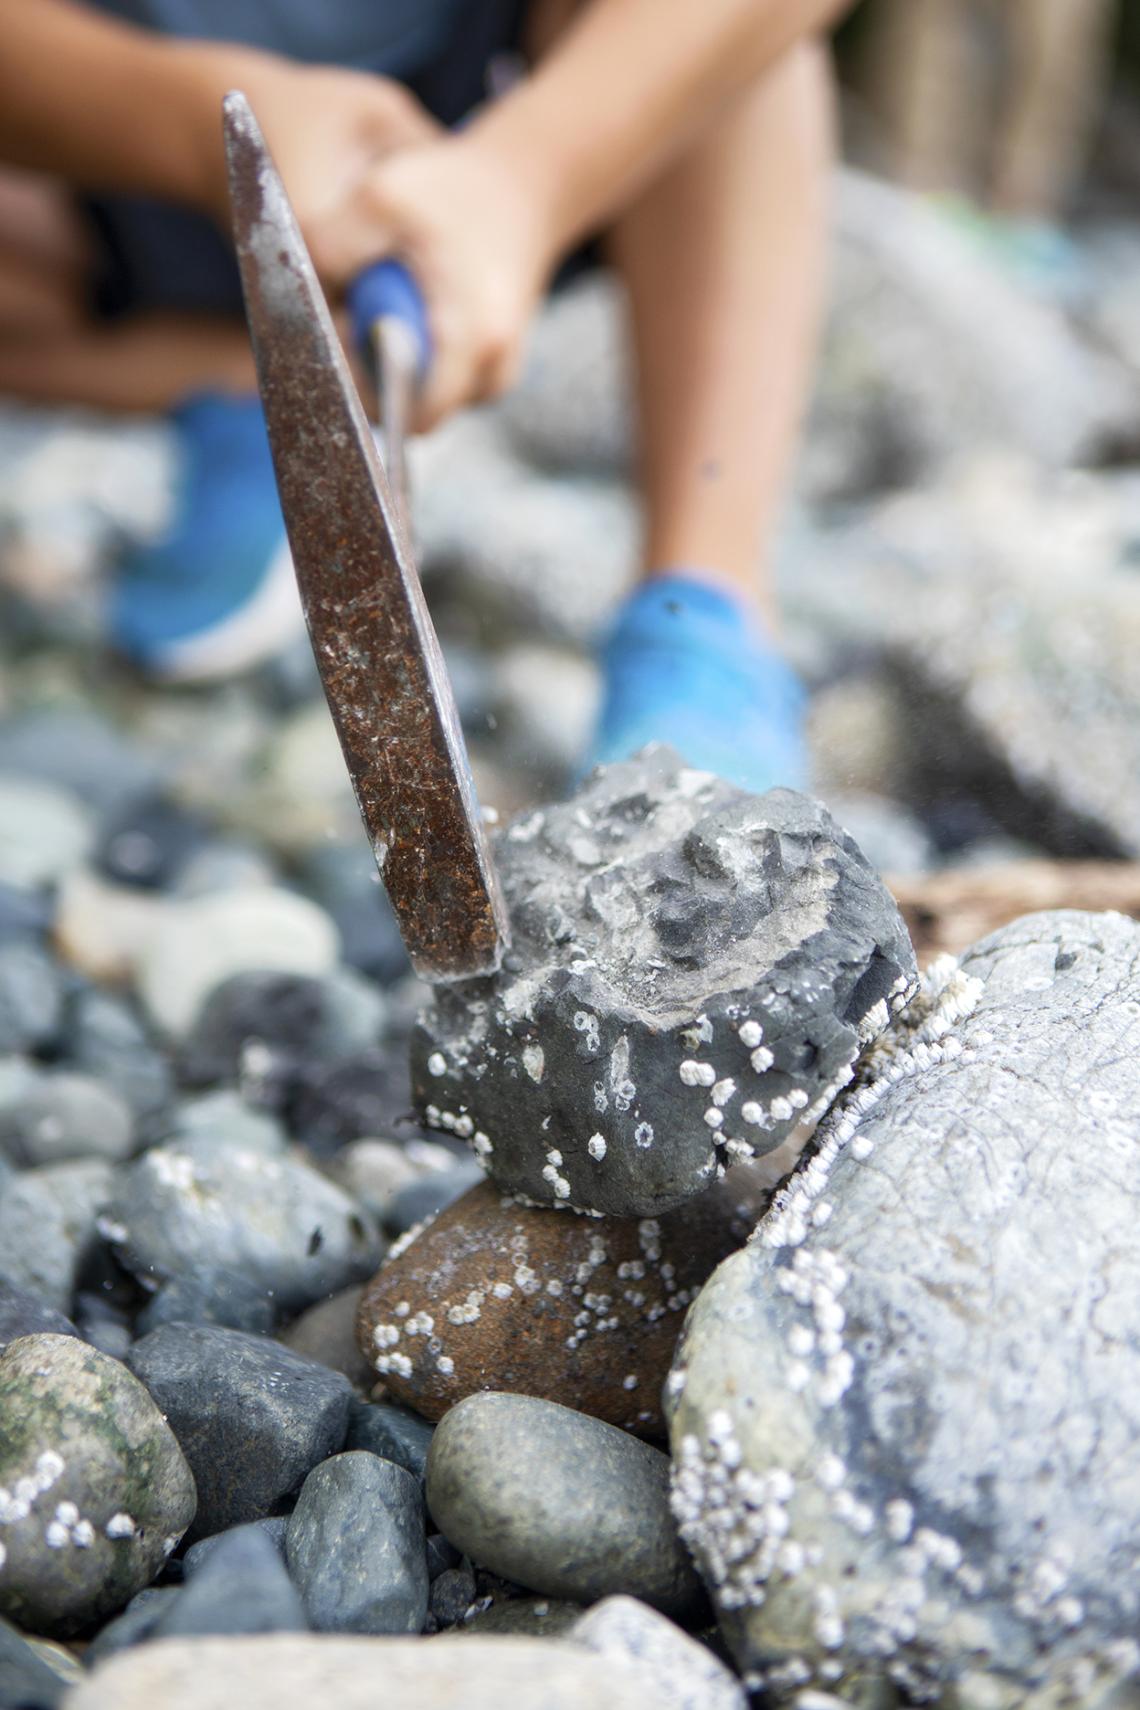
904	1417
693	971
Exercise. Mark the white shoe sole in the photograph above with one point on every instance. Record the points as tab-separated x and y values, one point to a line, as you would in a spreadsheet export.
258	630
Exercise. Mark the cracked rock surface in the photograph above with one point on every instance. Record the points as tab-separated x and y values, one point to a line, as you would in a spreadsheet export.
694	970
903	1418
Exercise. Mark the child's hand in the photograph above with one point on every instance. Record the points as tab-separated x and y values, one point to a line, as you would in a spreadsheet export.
325	127
474	233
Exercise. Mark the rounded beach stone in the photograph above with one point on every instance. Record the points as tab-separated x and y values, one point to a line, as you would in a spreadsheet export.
558	1502
283	1227
62	1116
25	1314
31	997
242	1586
44	831
252	1417
357	1547
297	1671
285	1018
48	1223
582	1310
202	941
693	972
903	1416
94	1489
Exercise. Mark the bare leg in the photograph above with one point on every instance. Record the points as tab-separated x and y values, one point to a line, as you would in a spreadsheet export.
724	257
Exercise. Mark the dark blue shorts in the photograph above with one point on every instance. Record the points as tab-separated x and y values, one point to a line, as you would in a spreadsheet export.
157	255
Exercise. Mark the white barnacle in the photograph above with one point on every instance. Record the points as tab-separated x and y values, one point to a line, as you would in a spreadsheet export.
643	1135
761	1059
83	1534
723	1091
753	1113
56	1535
596	1147
120	1525
437	1064
534	1061
445	1364
714	1118
899	1517
750	1033
481	1145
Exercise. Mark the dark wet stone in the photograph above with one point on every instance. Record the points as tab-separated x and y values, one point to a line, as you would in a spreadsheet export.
693	972
31	996
273	1528
26	1680
357	1549
266	1026
242	1586
346	884
48	1226
452	1594
392	1433
105	1038
210	1295
364	1095
148	841
135	1625
252	1417
23	1313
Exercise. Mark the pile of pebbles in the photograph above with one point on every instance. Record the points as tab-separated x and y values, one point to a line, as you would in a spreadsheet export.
528	1368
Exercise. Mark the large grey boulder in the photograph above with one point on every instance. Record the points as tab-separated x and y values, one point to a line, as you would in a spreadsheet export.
905	1417
693	971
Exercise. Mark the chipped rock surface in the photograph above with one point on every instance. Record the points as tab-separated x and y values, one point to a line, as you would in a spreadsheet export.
582	1310
558	1502
693	971
94	1490
904	1417
279	1223
356	1547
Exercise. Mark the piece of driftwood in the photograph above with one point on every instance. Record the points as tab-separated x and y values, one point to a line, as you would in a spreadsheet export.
954	908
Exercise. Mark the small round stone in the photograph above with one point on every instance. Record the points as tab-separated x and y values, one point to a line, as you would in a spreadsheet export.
357	1547
44	831
48	1222
558	1502
62	1116
94	1489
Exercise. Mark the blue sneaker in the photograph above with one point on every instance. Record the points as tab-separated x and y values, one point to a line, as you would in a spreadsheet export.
217	594
688	665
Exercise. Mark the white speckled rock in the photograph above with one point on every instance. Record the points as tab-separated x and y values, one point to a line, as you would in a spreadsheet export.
693	972
904	1417
94	1490
204	940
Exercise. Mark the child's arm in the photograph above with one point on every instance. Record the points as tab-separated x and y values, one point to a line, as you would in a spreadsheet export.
482	217
105	105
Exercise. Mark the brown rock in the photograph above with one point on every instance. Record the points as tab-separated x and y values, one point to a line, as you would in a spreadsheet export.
581	1310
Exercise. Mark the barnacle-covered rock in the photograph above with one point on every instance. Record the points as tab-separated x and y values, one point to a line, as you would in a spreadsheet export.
904	1419
94	1490
694	970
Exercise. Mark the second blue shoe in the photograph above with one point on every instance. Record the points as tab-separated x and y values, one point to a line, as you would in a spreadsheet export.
688	665
216	594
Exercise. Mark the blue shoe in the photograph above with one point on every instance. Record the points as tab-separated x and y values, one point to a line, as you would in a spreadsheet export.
687	665
217	594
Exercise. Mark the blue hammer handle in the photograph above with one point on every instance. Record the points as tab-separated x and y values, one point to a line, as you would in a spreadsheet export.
387	291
